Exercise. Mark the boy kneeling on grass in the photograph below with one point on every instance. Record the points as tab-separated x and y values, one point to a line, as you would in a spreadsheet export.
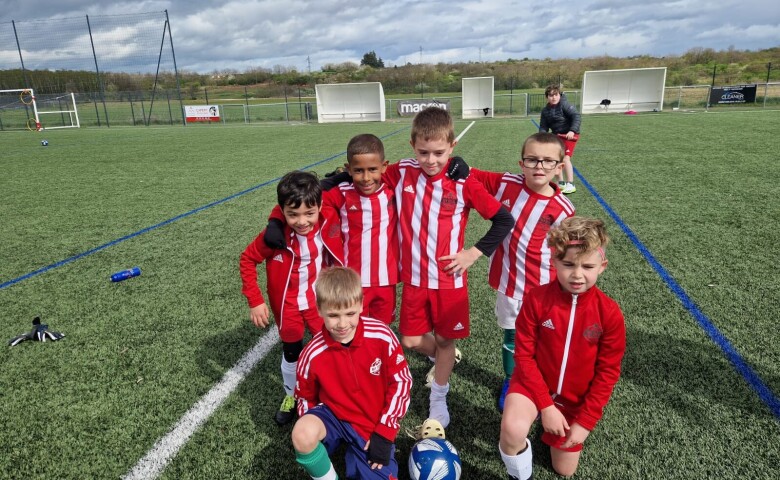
570	341
353	386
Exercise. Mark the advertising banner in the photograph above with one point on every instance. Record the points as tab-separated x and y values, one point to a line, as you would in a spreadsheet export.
409	108
733	94
201	113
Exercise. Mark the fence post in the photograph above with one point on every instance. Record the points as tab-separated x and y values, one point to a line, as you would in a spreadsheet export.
246	108
766	85
99	80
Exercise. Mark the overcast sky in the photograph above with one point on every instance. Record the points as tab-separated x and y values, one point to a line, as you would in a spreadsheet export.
242	34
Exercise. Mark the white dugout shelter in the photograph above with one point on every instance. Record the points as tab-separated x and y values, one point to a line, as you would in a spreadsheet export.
350	102
477	97
617	91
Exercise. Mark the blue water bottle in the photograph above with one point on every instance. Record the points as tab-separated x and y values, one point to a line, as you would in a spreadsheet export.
125	274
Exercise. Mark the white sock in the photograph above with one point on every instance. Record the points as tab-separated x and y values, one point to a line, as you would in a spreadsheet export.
519	466
331	475
288	376
438	403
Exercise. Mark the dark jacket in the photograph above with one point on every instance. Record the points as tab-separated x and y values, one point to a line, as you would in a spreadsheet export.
561	118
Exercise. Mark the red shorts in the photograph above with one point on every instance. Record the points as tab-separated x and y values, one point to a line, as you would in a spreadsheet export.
379	303
293	321
570	144
569	413
424	310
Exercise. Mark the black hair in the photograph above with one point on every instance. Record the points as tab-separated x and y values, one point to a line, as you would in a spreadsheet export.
299	188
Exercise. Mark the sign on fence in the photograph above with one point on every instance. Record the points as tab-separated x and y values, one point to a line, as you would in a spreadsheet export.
201	113
409	108
733	94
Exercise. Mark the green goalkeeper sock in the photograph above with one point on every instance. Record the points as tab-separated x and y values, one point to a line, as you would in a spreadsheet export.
317	463
508	352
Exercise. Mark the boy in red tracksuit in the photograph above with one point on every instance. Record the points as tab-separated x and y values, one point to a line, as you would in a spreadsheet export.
571	338
312	241
353	386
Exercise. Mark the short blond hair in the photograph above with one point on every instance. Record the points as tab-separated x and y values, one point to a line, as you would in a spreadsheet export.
338	287
433	123
585	234
545	138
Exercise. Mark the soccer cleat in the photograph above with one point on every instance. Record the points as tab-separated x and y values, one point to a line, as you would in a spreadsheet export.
569	188
502	395
429	429
286	413
429	376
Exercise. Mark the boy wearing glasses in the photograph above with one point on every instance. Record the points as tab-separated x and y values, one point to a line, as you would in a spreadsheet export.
523	260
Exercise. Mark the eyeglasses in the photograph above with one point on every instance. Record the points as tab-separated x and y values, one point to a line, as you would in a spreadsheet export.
534	162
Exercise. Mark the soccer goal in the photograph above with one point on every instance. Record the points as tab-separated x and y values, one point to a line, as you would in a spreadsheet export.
617	91
478	97
350	102
21	108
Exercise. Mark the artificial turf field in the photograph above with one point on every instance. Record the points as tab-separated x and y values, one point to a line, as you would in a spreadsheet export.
697	194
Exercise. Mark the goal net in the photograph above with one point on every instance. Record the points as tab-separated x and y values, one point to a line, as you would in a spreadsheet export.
21	108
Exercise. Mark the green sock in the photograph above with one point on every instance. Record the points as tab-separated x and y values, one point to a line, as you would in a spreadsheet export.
508	352
316	463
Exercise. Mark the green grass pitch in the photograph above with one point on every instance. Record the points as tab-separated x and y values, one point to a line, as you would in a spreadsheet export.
699	190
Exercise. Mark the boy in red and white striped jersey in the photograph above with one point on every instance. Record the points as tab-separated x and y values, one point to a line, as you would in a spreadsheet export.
433	211
523	260
368	225
353	386
365	206
312	241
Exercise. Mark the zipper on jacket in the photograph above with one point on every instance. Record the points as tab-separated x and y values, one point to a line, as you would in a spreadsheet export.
569	332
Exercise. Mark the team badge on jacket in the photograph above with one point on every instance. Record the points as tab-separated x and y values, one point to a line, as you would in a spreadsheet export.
376	367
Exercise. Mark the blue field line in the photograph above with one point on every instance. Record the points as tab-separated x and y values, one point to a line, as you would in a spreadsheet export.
165	222
766	395
535	124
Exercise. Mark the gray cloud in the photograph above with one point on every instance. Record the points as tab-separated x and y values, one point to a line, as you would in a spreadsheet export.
243	34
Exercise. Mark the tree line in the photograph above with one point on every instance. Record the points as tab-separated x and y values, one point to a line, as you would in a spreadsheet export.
695	67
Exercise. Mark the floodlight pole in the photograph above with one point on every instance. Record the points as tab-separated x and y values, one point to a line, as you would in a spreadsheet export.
766	85
100	81
24	70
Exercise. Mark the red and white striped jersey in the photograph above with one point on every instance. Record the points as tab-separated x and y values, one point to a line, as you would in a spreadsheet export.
432	217
523	260
369	229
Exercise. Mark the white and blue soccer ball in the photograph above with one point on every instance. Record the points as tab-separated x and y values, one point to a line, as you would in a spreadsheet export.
44	142
434	459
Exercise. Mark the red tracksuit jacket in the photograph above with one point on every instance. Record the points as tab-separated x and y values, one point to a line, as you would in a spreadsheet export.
366	384
279	268
569	348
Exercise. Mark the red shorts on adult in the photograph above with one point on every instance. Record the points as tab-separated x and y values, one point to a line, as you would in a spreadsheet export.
570	144
292	322
424	310
569	413
379	303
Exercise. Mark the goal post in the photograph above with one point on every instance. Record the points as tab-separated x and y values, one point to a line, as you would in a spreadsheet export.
58	111
18	109
21	108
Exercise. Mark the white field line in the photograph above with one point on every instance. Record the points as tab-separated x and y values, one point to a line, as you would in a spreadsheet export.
166	448
465	130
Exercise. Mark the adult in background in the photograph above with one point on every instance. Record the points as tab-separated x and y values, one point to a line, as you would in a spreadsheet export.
563	119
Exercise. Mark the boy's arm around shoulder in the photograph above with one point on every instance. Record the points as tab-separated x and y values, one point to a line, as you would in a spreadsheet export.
489	180
254	254
490	208
612	346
